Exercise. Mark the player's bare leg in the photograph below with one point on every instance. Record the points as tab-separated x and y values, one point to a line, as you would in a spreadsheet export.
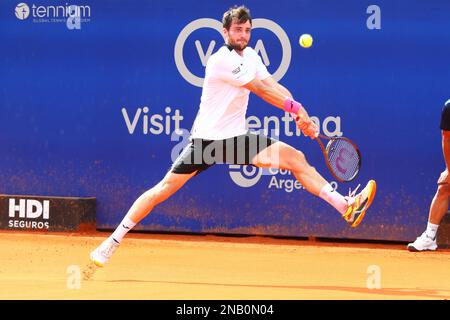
138	211
439	206
170	184
283	156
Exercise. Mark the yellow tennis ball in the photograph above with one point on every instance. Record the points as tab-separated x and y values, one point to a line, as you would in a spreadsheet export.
305	40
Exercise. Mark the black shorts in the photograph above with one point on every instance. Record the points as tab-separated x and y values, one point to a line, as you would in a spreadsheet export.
445	117
200	154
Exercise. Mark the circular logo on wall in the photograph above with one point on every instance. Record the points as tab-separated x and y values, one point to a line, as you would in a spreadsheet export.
245	176
22	11
217	25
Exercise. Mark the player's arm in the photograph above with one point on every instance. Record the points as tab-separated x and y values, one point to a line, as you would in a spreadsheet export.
274	96
271	82
446	147
444	177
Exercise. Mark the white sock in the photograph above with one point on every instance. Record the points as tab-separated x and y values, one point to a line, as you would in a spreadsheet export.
334	198
432	230
120	232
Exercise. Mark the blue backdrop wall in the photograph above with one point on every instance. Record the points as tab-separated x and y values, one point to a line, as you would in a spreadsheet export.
89	107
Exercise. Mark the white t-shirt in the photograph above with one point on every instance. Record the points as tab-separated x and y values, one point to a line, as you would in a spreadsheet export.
224	101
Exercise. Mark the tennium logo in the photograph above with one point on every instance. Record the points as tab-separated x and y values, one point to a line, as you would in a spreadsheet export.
22	11
71	15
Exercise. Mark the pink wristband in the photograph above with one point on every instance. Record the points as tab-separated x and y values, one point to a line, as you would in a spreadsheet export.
292	106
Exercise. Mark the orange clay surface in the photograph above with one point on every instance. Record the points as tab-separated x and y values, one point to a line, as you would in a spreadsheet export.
172	267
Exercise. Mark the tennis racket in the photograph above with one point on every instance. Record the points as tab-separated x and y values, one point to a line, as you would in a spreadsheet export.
342	157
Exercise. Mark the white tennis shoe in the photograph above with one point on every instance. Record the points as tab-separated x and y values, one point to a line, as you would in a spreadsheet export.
103	252
423	243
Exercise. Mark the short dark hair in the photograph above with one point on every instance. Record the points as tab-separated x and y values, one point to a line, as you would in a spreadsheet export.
238	14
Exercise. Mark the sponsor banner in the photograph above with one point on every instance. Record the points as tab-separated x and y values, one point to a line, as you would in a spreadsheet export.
35	213
70	15
98	99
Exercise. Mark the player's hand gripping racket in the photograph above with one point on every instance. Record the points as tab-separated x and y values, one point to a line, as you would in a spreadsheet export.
342	157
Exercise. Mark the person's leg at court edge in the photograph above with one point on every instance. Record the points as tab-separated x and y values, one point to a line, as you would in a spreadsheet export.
138	211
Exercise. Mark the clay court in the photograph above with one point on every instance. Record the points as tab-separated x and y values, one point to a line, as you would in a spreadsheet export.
172	267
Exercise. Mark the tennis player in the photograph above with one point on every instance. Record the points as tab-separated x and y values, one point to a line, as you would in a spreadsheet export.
219	134
439	204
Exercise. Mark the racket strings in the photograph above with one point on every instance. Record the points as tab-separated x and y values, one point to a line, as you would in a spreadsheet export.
343	158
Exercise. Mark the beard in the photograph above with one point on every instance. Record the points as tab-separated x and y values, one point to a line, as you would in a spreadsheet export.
238	46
